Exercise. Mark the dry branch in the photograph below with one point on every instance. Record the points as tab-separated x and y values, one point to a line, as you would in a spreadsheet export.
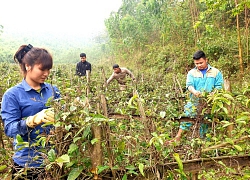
224	144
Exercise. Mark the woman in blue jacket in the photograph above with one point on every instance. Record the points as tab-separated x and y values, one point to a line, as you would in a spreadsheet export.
24	109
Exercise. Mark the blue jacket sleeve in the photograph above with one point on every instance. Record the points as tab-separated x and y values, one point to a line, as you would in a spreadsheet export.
190	80
57	94
11	116
219	81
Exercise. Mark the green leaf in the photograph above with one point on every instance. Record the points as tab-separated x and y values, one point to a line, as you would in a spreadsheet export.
229	97
227	124
222	100
154	134
93	141
43	141
151	141
121	146
22	145
177	158
248	102
98	116
116	167
67	135
79	131
131	100
52	155
48	103
19	138
63	159
71	163
141	168
243	117
221	163
2	167
76	139
74	173
68	127
72	148
124	177
241	122
72	108
98	119
86	132
130	167
229	140
102	168
132	172
220	104
161	141
238	147
225	110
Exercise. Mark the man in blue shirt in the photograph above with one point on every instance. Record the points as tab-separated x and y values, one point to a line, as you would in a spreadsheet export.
202	78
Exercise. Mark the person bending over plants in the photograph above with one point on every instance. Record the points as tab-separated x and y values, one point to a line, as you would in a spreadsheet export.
202	78
120	73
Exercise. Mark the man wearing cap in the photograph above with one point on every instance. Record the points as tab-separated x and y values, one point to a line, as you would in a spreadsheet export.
120	75
202	78
83	66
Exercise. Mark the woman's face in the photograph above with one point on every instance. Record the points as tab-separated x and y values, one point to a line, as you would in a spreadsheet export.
36	74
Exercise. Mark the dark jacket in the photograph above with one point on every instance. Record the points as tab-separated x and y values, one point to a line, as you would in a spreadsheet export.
81	68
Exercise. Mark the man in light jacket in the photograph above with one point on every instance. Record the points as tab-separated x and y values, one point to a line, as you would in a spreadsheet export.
120	74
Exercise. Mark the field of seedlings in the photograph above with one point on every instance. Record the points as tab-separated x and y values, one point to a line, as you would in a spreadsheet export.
104	133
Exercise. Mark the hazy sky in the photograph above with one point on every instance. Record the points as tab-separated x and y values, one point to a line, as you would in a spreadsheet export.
57	16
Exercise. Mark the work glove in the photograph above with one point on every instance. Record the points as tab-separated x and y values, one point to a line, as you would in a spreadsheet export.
44	116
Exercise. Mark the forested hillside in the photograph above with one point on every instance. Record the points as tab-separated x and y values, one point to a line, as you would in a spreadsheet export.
101	132
164	34
157	33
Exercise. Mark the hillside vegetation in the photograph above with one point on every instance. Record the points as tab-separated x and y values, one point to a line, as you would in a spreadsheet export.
107	134
164	34
120	135
157	34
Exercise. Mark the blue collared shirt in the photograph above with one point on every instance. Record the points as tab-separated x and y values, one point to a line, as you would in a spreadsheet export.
206	82
18	103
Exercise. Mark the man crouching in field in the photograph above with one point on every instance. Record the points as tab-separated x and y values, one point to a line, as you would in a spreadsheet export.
120	75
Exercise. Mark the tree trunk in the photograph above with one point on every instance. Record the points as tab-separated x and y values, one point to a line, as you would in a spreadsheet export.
88	80
143	115
194	15
106	133
96	155
247	20
239	42
227	86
